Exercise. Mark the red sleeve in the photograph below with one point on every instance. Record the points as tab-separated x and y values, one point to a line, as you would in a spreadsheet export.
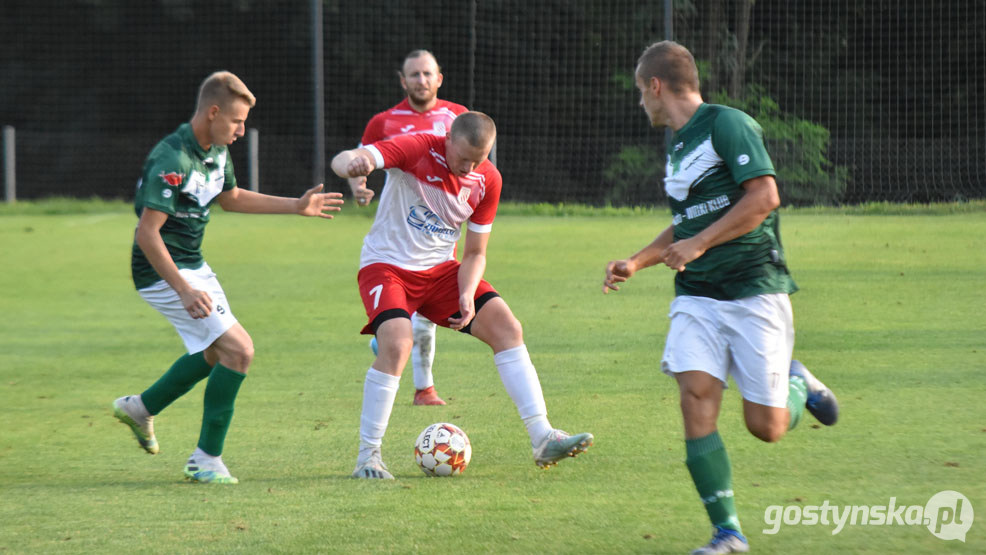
404	151
374	130
485	211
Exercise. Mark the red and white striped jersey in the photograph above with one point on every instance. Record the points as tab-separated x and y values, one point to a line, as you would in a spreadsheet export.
420	216
403	119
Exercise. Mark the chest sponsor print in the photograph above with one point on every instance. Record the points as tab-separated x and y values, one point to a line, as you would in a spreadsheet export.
423	219
202	187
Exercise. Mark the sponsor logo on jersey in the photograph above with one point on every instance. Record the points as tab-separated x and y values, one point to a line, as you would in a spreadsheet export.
421	218
172	178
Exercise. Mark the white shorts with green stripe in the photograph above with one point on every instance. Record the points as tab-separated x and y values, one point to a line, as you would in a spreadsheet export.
199	333
750	339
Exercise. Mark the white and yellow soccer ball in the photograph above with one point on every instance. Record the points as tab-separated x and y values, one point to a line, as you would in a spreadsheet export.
442	449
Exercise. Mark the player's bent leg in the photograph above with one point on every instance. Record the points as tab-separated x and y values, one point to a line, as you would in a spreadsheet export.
233	349
821	402
496	326
766	423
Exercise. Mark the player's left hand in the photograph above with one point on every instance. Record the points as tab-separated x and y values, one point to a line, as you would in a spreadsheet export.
617	271
680	253
316	203
467	310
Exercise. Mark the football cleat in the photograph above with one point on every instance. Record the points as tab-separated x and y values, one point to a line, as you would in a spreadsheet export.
558	445
373	345
130	410
427	396
724	541
372	468
197	473
821	402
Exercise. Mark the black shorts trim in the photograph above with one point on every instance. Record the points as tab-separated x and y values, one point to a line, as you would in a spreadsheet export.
389	314
480	302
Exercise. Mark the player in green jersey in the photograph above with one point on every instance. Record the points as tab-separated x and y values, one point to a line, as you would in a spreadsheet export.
731	315
183	175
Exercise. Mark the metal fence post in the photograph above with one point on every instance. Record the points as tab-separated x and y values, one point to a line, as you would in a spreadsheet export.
9	165
318	91
253	154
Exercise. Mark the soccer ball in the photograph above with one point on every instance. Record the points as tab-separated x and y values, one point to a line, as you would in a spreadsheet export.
442	449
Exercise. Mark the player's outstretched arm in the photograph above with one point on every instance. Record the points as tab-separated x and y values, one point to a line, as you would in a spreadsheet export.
313	203
618	271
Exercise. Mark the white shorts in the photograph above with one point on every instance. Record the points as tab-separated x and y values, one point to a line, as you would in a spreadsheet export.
197	334
750	339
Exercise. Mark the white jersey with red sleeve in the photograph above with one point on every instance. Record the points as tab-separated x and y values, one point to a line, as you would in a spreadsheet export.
420	217
402	119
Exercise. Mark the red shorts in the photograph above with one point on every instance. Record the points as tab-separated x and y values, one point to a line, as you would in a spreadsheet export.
392	292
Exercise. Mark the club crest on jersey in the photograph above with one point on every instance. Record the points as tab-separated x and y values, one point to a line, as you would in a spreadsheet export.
464	194
172	178
423	219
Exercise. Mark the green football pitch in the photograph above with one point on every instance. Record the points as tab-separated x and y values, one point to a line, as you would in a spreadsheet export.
890	314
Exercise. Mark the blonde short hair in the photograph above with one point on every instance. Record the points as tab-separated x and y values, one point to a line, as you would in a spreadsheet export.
220	89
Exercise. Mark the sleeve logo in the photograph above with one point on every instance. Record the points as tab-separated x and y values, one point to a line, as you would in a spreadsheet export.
174	179
743	159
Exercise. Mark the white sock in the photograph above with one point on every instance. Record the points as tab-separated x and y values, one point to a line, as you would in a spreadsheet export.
206	461
379	391
423	353
520	378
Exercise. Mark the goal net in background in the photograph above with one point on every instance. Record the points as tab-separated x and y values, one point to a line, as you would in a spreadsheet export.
860	100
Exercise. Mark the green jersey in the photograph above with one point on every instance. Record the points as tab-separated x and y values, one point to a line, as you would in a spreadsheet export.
182	180
708	160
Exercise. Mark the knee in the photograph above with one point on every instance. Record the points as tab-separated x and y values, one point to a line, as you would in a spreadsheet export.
396	347
770	431
239	358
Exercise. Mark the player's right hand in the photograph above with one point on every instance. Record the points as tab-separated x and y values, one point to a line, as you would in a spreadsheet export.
617	271
197	303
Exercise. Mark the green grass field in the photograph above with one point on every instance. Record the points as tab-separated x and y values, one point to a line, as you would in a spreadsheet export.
891	315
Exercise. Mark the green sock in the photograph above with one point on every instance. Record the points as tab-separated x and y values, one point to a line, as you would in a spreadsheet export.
797	393
708	464
187	371
217	412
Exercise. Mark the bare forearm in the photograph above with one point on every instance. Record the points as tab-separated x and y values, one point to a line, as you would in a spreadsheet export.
258	203
751	210
653	253
157	254
470	272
